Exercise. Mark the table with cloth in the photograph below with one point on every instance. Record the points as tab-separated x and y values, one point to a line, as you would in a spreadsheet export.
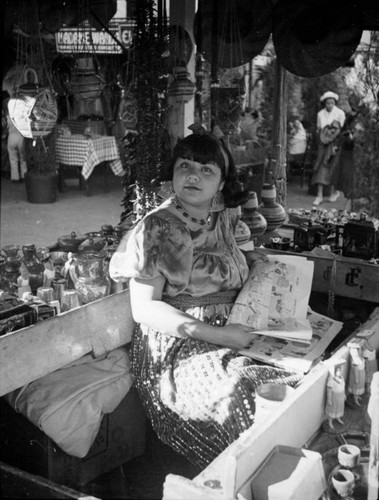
85	152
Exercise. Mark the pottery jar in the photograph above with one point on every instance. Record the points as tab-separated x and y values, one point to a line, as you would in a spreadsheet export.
271	210
70	242
250	215
12	262
34	267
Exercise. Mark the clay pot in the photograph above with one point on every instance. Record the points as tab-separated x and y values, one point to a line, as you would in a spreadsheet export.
271	210
92	244
252	218
71	242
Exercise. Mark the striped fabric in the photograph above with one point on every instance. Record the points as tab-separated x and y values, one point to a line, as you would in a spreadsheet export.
89	152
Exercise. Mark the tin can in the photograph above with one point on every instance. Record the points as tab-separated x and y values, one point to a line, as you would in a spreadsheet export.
45	293
58	286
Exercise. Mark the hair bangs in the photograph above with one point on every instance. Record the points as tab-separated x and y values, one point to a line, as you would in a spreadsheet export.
203	149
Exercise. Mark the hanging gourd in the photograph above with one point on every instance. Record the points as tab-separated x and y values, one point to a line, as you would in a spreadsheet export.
182	88
85	83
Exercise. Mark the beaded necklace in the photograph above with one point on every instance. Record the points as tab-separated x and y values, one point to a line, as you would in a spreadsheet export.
185	214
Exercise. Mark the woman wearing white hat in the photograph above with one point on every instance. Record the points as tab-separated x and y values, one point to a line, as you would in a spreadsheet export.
330	120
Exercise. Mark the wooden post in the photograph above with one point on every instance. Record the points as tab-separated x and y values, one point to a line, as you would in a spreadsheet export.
214	62
278	161
181	115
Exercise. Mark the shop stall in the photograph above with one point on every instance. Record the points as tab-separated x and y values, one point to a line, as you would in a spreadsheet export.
100	326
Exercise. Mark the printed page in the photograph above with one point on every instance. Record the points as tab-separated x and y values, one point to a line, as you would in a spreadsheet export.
274	300
294	354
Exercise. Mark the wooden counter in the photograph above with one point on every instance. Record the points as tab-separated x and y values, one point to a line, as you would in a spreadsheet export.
37	350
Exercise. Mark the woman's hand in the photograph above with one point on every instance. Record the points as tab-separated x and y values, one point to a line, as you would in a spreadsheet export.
257	255
235	336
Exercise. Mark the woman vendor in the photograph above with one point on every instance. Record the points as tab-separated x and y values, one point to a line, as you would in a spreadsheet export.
186	271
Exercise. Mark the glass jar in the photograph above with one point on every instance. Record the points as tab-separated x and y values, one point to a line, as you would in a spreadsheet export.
89	277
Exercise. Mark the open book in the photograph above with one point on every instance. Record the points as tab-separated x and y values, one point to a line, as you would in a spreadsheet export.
274	299
292	354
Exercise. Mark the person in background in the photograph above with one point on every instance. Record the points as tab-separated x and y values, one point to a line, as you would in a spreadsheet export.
330	121
297	138
185	271
346	170
16	151
297	145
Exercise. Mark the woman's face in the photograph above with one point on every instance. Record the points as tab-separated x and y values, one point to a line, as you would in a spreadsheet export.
196	183
329	104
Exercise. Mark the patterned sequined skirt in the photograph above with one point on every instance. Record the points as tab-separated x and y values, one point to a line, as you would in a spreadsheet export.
198	396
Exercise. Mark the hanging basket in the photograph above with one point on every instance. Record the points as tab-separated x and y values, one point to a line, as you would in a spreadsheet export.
128	111
34	115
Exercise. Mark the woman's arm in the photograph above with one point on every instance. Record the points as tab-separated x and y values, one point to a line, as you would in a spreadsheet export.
150	310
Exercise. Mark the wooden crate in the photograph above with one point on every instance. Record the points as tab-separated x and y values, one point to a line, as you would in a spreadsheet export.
354	278
121	437
37	350
16	483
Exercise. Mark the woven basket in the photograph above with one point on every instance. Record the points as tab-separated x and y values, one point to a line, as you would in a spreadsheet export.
34	116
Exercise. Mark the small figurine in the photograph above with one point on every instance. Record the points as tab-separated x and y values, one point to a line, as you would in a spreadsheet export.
23	281
357	373
49	272
335	394
371	363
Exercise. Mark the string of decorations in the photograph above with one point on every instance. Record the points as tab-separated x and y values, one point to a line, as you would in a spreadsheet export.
147	149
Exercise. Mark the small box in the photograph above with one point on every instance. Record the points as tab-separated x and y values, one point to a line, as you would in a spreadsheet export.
360	240
288	473
306	237
16	317
44	311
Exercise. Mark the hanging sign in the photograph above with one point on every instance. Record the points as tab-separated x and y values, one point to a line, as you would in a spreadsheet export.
84	38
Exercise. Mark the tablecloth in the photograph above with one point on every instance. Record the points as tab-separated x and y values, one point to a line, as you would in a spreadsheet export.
78	149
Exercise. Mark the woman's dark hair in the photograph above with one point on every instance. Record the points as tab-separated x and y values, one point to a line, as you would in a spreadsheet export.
204	148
